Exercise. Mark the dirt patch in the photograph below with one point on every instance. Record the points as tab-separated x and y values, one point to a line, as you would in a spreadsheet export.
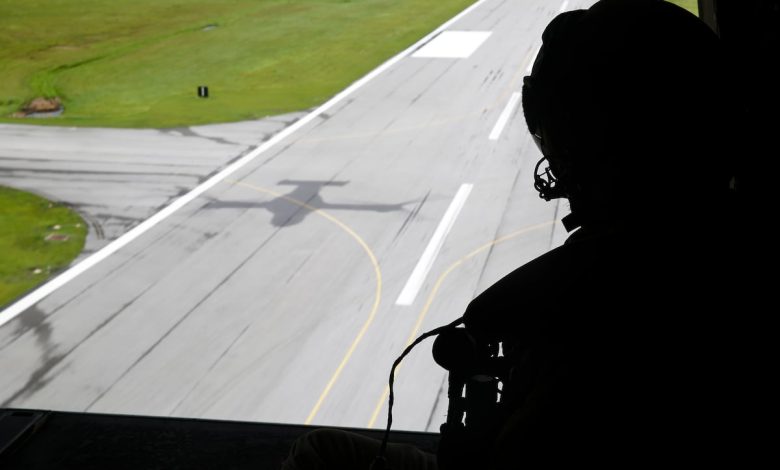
57	237
41	107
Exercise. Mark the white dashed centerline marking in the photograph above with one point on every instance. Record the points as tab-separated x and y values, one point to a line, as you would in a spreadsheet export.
504	117
415	282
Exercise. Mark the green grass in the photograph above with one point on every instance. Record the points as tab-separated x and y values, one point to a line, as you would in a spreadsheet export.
27	259
690	5
137	63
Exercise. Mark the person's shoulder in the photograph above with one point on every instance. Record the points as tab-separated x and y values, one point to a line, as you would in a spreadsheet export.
582	253
545	286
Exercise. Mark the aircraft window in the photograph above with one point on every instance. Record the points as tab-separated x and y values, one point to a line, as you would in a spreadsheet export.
245	210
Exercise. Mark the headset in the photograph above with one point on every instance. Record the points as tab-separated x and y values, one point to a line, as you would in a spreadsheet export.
545	181
570	131
551	180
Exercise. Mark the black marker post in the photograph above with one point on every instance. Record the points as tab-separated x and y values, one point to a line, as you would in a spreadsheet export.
203	91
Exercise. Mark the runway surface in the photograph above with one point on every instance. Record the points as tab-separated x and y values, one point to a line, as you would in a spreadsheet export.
116	178
273	296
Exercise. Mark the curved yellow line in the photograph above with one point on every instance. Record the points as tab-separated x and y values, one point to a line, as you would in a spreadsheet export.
435	290
377	296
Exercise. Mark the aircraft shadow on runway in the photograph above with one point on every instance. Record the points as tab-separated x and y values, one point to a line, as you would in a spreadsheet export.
287	213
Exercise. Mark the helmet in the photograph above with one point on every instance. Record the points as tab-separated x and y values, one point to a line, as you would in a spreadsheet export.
617	92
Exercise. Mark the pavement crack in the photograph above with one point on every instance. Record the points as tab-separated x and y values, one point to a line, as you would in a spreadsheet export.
496	234
489	11
436	402
188	132
231	383
69	173
430	85
208	371
89	162
412	215
247	150
197	305
269	159
299	268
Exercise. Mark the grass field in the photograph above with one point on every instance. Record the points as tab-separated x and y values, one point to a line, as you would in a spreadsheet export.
137	63
690	5
27	258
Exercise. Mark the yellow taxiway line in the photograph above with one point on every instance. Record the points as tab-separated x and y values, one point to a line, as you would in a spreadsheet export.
435	290
377	292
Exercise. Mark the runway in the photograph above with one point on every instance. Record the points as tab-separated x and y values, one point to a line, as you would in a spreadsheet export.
274	295
116	178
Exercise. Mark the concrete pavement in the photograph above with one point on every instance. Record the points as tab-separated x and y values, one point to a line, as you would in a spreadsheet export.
115	178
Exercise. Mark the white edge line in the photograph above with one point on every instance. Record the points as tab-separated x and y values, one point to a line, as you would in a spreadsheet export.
40	293
564	6
420	272
504	117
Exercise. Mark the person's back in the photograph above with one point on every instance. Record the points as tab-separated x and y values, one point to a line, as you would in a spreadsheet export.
626	347
627	335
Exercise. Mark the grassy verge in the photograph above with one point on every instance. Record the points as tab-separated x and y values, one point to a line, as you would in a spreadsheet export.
37	238
137	63
690	5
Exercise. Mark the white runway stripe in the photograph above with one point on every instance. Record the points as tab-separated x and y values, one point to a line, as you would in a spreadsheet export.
420	272
504	117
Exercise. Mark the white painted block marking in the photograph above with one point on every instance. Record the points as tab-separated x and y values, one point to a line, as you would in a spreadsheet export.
504	117
453	45
415	282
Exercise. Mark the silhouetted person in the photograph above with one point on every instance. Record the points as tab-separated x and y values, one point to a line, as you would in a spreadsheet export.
627	339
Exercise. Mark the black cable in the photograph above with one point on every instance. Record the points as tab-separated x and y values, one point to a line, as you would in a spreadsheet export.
380	461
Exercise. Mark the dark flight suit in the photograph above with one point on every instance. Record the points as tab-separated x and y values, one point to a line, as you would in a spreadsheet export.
630	342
